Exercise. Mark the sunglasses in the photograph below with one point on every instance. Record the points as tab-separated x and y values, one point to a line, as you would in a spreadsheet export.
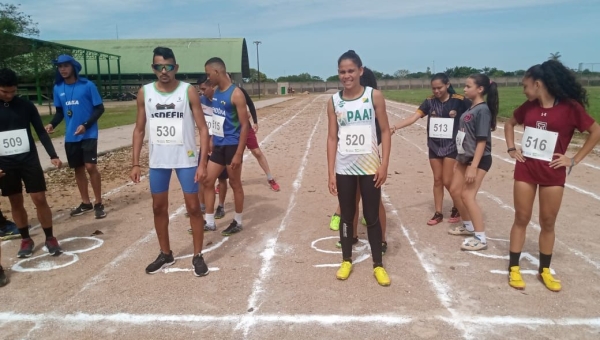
166	67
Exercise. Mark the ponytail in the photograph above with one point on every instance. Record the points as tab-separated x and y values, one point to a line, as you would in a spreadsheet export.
490	89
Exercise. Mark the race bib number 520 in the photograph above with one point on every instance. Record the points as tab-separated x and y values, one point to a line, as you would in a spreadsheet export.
166	131
14	142
355	140
538	144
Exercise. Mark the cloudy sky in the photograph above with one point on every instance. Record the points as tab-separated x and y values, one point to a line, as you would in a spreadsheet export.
308	35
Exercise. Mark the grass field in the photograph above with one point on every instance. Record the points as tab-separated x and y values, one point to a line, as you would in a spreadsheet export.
510	98
115	116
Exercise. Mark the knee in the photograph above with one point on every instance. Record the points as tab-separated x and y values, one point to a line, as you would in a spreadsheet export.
39	200
456	192
522	218
438	181
159	208
465	196
257	153
547	222
91	169
194	211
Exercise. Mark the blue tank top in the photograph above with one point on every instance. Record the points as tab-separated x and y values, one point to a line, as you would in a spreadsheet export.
223	107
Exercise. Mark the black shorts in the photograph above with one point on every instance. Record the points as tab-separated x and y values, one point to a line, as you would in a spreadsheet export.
80	153
223	175
32	175
485	163
432	155
223	155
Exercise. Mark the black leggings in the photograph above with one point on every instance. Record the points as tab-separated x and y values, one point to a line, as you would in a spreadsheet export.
371	197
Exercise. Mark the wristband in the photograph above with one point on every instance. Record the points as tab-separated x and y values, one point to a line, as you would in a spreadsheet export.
511	149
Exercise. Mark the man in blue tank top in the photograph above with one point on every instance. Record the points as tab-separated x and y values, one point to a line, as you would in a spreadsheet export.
230	131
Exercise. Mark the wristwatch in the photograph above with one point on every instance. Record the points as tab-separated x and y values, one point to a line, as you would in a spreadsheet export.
511	149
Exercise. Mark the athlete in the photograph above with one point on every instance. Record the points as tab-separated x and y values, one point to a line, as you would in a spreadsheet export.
367	79
78	102
20	164
353	159
171	108
230	132
443	110
474	159
555	107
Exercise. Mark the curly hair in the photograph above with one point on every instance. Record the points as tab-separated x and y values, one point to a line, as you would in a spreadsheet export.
8	77
559	80
490	90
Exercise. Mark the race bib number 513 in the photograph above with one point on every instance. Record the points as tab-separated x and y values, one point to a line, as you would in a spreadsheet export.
355	140
166	131
441	127
14	142
538	144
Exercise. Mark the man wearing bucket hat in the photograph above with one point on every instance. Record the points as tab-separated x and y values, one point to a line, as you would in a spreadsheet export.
78	102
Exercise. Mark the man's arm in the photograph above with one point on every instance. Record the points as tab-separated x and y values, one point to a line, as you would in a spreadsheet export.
41	132
139	131
196	107
251	106
96	114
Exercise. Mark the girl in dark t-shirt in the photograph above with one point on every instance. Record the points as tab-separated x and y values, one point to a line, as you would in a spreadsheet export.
474	159
553	110
443	111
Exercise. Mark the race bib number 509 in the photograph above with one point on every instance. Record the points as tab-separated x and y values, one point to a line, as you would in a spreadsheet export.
14	142
355	140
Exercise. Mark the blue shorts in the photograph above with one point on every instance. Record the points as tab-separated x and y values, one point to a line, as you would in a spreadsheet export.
160	178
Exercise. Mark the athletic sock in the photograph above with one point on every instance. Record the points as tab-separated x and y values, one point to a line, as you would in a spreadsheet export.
210	219
469	225
48	232
238	218
481	236
269	177
544	261
220	205
513	259
24	232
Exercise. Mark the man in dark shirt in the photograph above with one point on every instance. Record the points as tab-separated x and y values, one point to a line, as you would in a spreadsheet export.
20	164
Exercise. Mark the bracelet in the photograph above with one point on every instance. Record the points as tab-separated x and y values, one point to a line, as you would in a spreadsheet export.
133	166
511	149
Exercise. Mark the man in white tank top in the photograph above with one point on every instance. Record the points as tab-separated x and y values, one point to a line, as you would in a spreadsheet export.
172	110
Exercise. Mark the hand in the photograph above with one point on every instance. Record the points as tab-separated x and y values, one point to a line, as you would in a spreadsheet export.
2	174
393	129
516	154
333	185
255	127
380	176
470	174
80	130
56	162
236	161
49	128
200	174
561	161
136	174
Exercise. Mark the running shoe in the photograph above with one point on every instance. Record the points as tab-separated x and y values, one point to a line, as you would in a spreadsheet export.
339	243
437	218
515	279
99	211
53	246
200	267
363	221
9	231
162	261
233	228
334	224
274	186
473	244
206	228
82	209
460	230
381	276
26	248
217	189
549	281
220	213
3	277
454	216
344	272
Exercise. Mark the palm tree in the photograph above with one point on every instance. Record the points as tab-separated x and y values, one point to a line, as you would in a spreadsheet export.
554	56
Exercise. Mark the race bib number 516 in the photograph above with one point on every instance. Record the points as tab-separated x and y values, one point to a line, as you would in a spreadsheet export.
166	131
14	142
538	144
355	140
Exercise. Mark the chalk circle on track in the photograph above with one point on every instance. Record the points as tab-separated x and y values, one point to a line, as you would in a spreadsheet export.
360	250
46	262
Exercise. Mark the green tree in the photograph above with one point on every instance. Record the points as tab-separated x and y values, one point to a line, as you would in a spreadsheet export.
333	78
299	78
254	77
401	74
555	56
13	25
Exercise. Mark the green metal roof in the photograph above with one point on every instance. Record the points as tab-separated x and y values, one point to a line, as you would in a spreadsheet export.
191	54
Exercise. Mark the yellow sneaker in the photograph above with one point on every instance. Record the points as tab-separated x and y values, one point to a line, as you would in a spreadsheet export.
363	221
334	224
382	276
344	271
550	282
515	279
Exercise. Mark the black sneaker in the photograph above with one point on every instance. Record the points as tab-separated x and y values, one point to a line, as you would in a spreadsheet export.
233	228
82	209
383	248
162	261
3	277
200	267
53	246
99	211
26	248
220	213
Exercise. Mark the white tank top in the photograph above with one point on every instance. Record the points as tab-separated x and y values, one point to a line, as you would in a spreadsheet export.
357	152
171	128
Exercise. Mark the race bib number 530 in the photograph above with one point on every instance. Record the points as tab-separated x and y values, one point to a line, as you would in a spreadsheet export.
14	142
166	131
355	140
538	144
